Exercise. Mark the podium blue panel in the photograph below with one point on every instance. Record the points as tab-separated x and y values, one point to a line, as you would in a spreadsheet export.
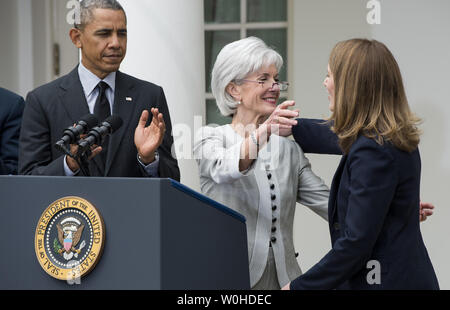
159	235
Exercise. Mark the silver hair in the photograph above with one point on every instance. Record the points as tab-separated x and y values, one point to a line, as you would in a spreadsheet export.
88	6
236	61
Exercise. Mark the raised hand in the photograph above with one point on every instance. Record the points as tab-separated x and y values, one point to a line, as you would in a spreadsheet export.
282	119
148	139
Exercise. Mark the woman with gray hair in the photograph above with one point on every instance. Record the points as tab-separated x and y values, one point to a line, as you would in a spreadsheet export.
240	165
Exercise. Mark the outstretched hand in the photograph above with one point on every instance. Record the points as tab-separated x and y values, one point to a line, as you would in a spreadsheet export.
426	209
282	119
148	139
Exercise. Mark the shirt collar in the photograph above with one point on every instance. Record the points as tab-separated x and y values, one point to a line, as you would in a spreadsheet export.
89	80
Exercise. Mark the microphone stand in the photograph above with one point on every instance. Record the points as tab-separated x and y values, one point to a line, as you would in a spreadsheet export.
96	135
83	162
82	159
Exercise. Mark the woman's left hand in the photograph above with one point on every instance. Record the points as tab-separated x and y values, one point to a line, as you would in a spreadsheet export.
426	209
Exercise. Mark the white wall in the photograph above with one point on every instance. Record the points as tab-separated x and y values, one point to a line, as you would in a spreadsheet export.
42	41
16	61
57	22
316	26
166	47
25	47
418	34
31	27
9	77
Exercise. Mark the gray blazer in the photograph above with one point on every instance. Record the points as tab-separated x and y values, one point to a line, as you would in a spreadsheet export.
266	194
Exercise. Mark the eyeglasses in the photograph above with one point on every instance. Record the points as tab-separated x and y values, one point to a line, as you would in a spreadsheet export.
282	85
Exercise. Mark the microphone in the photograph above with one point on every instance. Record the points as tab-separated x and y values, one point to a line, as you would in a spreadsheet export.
72	134
97	134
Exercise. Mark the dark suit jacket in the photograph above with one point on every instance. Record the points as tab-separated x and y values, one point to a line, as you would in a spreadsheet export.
373	215
55	106
11	109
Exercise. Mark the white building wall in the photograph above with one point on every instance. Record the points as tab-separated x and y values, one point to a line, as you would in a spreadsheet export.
316	26
418	34
9	77
33	26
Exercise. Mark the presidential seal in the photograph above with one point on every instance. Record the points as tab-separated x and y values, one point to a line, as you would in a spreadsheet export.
69	238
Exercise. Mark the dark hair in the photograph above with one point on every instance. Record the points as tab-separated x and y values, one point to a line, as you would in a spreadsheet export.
87	7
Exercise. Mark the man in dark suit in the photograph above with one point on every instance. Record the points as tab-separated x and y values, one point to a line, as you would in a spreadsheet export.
140	148
11	109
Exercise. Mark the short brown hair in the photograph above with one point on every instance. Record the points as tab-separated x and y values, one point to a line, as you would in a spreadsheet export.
370	97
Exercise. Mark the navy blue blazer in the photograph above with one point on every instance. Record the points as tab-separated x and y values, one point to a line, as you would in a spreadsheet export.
373	215
11	109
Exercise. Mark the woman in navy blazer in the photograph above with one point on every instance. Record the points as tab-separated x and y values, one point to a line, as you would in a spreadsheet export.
374	197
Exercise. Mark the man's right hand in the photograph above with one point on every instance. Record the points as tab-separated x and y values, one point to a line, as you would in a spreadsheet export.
72	163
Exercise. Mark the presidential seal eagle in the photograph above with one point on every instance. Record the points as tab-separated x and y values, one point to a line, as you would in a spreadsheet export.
70	231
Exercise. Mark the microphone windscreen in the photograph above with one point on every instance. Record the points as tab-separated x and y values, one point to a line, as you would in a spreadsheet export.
114	121
91	120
